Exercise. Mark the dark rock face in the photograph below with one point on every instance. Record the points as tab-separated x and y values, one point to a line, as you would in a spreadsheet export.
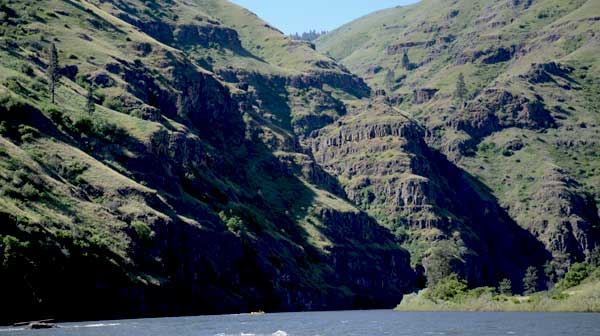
542	73
391	267
498	55
346	82
204	35
423	95
69	71
495	110
400	47
491	55
374	69
101	79
159	30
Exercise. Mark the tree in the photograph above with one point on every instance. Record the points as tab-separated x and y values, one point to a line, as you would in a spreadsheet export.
447	288
530	280
90	106
595	257
440	262
390	78
505	287
405	60
549	271
52	72
461	88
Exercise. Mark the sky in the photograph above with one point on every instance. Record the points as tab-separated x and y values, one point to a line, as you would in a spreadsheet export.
297	16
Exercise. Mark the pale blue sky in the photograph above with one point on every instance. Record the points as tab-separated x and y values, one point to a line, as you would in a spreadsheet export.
293	16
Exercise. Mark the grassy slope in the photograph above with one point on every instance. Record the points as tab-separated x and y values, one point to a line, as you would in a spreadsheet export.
556	30
118	42
93	190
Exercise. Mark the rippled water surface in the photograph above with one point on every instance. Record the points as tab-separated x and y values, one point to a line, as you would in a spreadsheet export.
359	323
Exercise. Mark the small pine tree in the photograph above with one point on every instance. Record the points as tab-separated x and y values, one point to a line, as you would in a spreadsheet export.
549	271
52	72
405	60
505	287
595	257
390	77
90	105
461	88
530	280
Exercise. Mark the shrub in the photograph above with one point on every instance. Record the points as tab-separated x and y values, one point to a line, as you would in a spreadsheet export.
30	192
55	115
26	69
480	291
28	133
232	222
4	128
109	131
14	84
447	288
115	104
72	171
142	230
575	276
60	119
83	126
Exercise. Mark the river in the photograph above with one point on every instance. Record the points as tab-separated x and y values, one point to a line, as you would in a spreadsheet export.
359	323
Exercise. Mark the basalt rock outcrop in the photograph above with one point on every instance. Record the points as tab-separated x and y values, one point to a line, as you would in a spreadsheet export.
495	110
567	219
391	173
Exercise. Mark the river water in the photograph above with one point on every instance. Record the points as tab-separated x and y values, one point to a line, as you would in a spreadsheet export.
359	323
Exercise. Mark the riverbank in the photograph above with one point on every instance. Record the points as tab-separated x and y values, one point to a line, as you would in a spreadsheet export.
582	298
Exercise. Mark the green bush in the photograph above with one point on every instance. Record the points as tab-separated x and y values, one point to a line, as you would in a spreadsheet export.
142	230
83	126
28	133
109	132
447	289
14	84
26	69
72	171
114	104
232	222
577	273
4	128
480	291
11	249
30	192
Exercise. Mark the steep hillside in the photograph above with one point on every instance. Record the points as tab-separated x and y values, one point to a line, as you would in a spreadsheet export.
526	127
184	189
445	217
